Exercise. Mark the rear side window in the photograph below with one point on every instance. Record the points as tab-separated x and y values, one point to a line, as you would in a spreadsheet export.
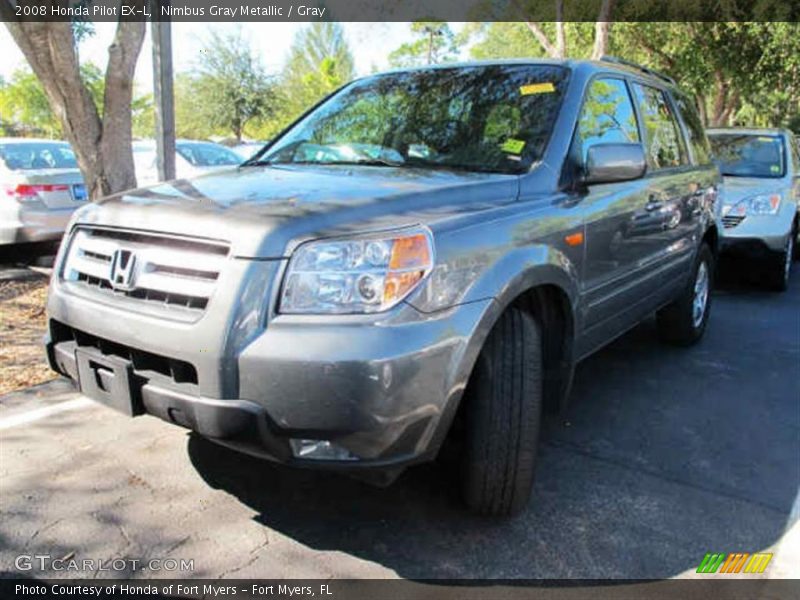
663	141
607	116
694	127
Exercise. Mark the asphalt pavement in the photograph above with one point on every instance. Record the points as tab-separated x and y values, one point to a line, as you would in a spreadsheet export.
665	454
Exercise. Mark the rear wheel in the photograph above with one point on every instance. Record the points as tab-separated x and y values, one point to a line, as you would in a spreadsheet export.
684	321
503	417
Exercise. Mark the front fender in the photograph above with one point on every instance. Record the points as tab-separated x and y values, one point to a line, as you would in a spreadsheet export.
500	276
503	282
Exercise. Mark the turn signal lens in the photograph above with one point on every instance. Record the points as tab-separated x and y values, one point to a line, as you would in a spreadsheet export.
362	275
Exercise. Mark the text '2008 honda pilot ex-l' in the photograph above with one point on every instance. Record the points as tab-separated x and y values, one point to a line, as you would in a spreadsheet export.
424	255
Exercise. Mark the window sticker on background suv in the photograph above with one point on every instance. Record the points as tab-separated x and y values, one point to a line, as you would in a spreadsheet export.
537	88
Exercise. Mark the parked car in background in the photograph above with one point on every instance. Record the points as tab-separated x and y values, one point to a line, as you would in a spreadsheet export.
423	257
191	158
248	149
40	187
761	197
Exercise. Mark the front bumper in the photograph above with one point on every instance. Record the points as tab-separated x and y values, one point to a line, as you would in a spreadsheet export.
384	390
35	226
759	234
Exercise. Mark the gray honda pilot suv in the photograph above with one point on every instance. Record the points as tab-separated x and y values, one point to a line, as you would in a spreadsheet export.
425	255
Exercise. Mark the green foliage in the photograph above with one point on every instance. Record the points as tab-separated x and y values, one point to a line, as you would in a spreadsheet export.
739	73
435	43
23	103
514	40
24	107
143	119
228	91
320	61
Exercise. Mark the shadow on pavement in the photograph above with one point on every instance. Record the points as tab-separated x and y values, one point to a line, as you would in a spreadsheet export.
665	454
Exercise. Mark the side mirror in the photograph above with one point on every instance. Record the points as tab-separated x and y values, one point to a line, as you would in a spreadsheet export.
607	163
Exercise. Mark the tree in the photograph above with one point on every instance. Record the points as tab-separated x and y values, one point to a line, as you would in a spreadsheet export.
319	62
231	86
729	67
101	139
26	109
435	43
514	40
555	44
24	105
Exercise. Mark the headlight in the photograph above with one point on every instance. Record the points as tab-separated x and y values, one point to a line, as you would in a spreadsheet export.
359	275
762	204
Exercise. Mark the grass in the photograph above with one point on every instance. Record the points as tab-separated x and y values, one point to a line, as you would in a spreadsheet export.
22	325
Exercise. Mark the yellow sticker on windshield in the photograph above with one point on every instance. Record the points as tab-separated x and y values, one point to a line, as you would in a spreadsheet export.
775	168
537	88
513	146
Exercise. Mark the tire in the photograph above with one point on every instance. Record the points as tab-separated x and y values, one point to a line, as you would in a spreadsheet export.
681	323
503	417
779	266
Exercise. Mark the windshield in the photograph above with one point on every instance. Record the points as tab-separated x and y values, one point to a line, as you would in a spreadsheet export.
33	155
207	155
747	155
489	118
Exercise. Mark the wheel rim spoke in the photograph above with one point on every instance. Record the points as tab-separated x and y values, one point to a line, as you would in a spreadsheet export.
700	295
787	262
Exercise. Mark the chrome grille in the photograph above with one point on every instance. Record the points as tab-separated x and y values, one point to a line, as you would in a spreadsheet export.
171	272
731	221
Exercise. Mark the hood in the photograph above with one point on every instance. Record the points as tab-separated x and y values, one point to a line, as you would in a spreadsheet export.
736	189
261	211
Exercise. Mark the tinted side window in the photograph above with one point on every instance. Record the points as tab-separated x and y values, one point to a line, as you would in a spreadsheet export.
607	116
663	141
694	127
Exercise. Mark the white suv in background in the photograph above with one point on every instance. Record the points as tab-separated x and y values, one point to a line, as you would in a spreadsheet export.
761	169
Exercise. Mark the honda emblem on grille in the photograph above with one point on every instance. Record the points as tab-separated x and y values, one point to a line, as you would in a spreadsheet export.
122	270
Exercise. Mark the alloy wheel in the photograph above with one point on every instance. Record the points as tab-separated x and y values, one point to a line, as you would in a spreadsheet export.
701	285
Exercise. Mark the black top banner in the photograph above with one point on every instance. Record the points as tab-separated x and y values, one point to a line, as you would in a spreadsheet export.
400	10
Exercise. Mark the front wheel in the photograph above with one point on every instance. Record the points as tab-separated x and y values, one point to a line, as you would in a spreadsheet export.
780	266
503	417
684	321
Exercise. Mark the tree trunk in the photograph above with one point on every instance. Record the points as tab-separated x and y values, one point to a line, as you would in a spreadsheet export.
102	145
561	36
601	30
724	102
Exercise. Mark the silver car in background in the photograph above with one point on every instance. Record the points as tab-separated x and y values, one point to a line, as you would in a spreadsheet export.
41	187
761	169
192	158
248	149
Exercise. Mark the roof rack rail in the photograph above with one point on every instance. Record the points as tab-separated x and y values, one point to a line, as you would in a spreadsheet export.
629	63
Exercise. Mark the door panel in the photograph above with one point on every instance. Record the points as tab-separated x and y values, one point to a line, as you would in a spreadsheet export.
620	217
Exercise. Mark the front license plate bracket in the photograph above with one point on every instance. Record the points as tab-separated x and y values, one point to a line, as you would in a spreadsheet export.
109	380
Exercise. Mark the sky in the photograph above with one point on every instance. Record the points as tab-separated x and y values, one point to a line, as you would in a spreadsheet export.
370	42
